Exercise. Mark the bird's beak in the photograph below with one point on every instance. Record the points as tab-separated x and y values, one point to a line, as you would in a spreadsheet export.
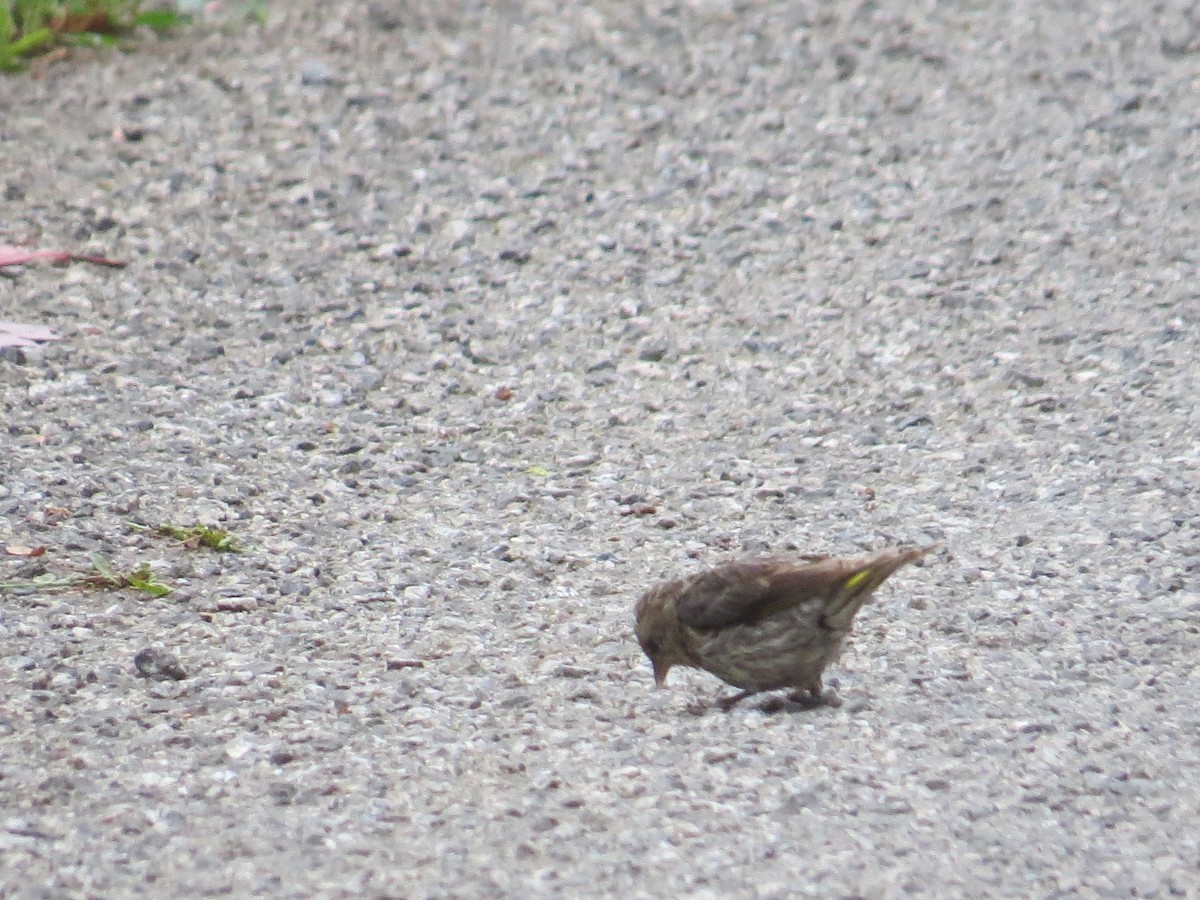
660	672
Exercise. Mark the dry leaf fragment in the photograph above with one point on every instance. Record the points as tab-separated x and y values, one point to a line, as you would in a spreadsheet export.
22	550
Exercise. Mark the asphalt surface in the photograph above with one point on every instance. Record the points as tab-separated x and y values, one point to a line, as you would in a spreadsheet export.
471	321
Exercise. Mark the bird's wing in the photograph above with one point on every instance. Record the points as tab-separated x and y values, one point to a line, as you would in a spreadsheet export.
743	592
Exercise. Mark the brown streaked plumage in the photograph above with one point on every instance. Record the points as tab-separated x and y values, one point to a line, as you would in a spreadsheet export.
762	625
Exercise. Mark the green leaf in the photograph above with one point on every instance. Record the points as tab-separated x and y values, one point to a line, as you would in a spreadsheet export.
144	580
153	588
539	471
197	535
29	42
100	564
160	19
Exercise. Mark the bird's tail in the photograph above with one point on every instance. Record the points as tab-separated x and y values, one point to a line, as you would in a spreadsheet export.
862	577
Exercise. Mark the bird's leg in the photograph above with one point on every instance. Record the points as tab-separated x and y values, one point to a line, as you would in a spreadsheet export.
810	694
728	703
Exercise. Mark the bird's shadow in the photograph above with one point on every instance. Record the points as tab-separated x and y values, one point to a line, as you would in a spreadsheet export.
776	704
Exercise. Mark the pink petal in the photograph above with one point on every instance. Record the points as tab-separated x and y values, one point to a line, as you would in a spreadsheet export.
14	334
17	256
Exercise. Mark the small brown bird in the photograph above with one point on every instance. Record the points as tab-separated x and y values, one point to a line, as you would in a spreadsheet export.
762	625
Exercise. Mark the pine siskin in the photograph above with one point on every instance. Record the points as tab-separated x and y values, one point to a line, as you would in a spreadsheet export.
762	625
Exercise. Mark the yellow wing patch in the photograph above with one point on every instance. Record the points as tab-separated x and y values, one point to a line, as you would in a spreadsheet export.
854	581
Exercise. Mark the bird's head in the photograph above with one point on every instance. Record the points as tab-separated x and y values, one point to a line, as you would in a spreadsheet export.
659	632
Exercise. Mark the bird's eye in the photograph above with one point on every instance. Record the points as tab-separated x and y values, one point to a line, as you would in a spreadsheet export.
651	646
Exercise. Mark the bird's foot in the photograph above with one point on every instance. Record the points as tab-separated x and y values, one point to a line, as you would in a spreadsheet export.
773	704
808	699
725	704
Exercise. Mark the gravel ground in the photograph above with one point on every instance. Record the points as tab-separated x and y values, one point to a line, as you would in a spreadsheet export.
473	320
